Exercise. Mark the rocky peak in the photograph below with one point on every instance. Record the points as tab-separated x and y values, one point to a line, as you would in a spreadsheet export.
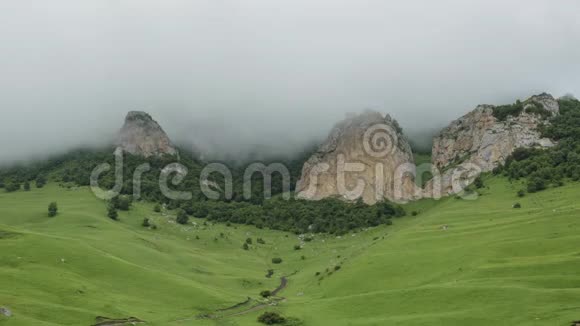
370	148
547	101
141	135
485	141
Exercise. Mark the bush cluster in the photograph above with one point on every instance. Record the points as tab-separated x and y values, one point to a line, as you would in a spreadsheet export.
300	216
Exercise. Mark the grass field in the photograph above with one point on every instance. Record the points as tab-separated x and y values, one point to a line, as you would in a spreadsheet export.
491	265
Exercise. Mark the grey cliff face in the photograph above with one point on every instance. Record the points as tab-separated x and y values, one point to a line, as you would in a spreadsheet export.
380	151
482	139
141	135
484	142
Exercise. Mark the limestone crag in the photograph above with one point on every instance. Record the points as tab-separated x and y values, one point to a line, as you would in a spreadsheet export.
141	135
480	138
365	156
481	141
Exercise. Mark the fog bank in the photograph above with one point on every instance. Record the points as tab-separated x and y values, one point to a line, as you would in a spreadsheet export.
235	77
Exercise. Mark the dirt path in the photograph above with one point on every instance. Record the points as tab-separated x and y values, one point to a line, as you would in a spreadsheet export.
236	306
282	286
105	321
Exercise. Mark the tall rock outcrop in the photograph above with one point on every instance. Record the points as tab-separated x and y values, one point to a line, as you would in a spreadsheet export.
484	138
141	135
365	156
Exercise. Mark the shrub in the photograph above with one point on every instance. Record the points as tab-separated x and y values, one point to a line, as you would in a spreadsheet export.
266	294
52	209
157	208
502	112
522	153
260	241
187	207
200	210
182	217
112	213
245	246
249	241
517	205
271	318
146	223
297	247
12	186
414	213
521	193
337	267
478	182
27	186
124	203
536	184
40	181
276	260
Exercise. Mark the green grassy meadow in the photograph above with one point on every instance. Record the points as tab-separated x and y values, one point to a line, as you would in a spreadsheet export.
491	265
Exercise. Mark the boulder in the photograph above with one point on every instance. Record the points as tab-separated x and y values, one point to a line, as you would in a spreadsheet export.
5	312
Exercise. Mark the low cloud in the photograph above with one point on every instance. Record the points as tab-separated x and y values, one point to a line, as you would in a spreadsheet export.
269	77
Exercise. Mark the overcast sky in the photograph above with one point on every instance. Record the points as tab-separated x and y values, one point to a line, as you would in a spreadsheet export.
231	75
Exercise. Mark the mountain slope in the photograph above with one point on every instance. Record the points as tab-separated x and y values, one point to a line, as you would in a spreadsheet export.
493	265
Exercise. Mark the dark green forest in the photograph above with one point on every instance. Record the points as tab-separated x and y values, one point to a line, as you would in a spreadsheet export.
330	215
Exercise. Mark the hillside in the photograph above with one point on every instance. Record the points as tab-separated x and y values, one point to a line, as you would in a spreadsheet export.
491	264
